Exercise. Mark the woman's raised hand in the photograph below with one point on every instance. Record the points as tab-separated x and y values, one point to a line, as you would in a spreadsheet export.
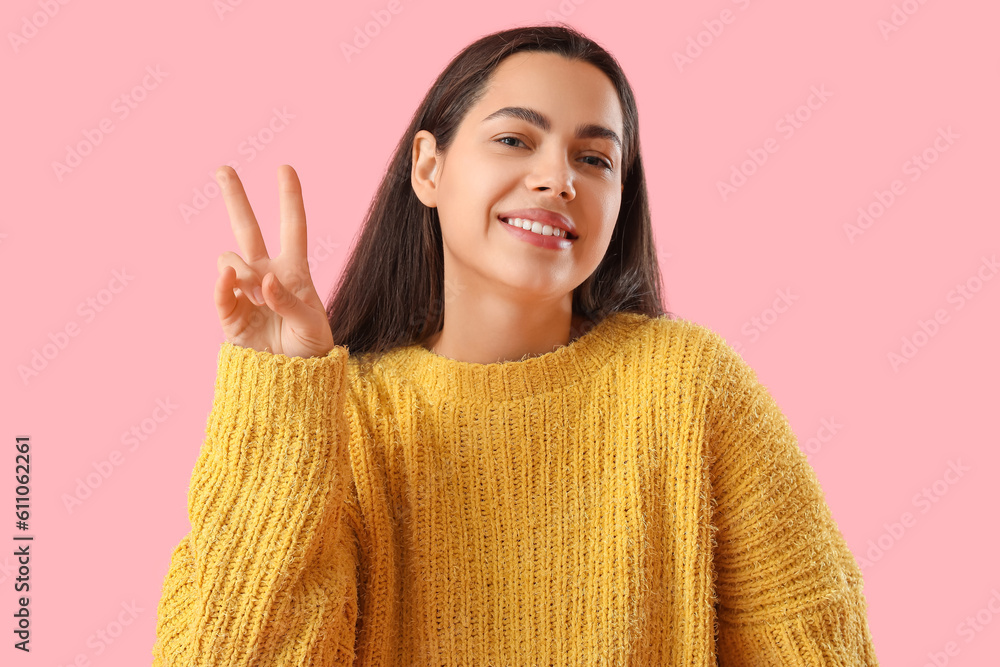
277	309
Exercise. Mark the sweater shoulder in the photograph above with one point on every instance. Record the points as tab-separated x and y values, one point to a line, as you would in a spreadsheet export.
694	360
686	342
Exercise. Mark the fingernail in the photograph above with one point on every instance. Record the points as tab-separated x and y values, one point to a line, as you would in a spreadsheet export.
258	296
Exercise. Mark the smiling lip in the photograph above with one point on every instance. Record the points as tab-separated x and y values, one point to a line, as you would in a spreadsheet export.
551	242
543	216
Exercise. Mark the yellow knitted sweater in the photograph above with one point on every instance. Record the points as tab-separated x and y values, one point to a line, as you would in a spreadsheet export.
635	497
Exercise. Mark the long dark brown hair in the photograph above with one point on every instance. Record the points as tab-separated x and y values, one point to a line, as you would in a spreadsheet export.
392	290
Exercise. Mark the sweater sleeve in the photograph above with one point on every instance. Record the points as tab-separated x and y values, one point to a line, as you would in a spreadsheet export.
267	573
789	591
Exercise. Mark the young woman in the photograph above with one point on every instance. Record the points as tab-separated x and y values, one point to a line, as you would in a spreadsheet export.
494	447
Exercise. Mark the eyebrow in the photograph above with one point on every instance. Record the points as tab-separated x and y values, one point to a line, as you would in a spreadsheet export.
585	131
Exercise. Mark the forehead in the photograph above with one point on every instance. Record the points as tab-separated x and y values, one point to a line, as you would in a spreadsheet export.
569	92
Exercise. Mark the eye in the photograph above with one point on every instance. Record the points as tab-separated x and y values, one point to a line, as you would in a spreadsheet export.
601	162
505	138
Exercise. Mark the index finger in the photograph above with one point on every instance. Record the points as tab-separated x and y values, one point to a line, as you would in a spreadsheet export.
293	213
241	217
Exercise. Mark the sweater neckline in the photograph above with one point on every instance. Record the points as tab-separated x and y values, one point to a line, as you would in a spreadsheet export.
510	380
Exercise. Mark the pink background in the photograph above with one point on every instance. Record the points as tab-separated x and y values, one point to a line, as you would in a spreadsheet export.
891	433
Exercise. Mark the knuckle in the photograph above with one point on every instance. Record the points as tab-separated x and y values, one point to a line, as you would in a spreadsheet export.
228	258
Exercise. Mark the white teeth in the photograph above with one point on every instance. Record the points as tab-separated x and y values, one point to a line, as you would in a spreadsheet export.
536	227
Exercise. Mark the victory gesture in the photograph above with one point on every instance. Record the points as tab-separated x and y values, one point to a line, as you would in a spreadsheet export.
268	304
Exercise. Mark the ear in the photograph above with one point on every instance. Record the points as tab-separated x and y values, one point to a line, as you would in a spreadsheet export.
424	173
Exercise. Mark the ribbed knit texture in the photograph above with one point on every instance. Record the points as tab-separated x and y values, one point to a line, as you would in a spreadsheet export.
633	498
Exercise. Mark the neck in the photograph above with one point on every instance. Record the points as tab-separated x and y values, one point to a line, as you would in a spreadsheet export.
486	333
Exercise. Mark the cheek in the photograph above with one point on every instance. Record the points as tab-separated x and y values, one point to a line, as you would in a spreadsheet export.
599	244
461	235
473	191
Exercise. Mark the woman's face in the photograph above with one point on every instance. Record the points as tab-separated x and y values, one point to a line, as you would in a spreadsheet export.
499	162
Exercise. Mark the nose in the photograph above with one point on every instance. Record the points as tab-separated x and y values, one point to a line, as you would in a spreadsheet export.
552	173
